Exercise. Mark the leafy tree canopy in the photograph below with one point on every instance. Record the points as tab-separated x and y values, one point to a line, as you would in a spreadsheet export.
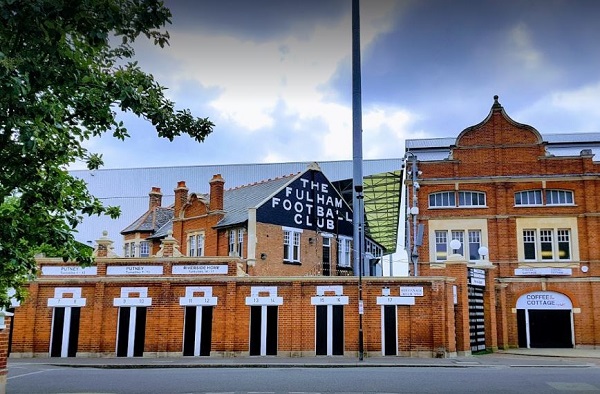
66	68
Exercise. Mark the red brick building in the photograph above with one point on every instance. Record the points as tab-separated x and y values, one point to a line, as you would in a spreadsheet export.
532	202
293	225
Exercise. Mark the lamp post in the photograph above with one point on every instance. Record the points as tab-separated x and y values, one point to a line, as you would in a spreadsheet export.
414	213
359	199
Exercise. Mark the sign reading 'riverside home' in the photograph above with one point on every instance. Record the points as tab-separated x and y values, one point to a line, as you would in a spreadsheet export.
220	269
68	271
134	270
309	202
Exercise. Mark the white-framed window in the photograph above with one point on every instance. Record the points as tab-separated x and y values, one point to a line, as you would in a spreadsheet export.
471	199
441	245
544	197
471	233
470	242
236	241
126	249
559	197
344	252
144	249
460	199
547	244
291	245
129	249
529	197
240	242
232	239
474	244
442	199
326	250
547	239
195	245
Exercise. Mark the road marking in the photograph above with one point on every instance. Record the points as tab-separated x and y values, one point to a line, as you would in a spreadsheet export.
570	386
30	373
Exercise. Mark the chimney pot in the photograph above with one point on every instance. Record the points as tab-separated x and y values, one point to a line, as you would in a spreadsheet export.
155	198
216	192
181	196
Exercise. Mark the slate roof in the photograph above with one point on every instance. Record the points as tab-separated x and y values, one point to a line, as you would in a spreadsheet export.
237	201
151	220
564	144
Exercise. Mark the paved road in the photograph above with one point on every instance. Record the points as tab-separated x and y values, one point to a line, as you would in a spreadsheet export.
502	378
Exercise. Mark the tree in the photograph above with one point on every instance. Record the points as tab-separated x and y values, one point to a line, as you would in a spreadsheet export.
66	69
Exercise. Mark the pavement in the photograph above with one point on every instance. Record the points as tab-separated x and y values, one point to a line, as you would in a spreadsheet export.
574	358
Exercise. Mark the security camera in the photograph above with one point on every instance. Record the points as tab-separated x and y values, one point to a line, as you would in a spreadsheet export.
417	186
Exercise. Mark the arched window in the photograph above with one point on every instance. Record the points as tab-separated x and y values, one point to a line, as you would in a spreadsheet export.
460	199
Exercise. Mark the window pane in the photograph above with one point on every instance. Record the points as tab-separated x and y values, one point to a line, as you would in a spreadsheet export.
529	244
200	245
192	245
469	199
460	237
474	244
564	244
144	249
546	244
559	197
441	245
286	245
529	197
442	199
296	246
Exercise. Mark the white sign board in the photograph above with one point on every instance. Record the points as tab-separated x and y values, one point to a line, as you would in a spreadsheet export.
387	300
256	300
411	291
329	300
197	301
544	300
132	301
477	282
68	270
544	271
64	302
134	270
220	269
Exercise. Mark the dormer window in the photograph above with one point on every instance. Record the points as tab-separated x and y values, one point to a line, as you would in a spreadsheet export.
454	199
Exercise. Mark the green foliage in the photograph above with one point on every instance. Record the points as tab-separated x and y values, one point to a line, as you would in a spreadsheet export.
62	79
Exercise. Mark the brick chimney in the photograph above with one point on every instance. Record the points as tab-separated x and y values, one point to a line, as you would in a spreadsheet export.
155	198
181	196
216	193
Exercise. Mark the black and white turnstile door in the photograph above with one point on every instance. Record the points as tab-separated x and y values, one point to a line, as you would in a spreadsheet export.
64	335
131	325
264	303
476	291
389	317
197	328
329	320
545	320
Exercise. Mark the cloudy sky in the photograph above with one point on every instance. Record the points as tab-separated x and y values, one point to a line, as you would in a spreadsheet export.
275	75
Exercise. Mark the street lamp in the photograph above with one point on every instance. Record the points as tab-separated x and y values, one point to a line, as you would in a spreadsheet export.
414	212
360	197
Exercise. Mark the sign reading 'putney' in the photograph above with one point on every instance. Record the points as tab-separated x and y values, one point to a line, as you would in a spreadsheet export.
309	202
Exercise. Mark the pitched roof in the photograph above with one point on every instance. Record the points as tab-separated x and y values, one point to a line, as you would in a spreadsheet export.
151	220
237	201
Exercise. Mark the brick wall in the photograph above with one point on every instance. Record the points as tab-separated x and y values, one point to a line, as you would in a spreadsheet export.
425	328
501	157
